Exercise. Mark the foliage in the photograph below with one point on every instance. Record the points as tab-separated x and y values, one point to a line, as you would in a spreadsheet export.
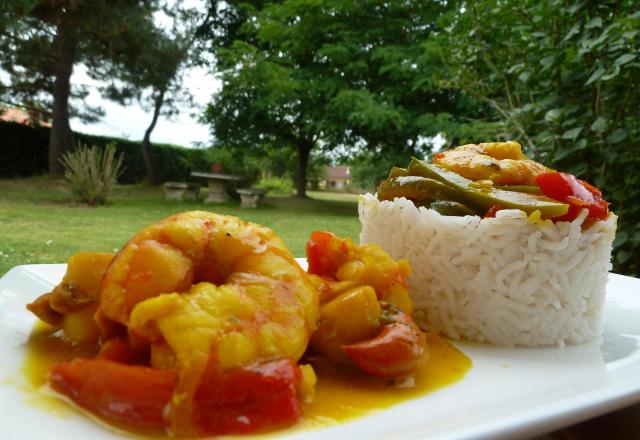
42	40
270	168
155	77
233	162
23	149
92	172
276	185
303	74
563	78
174	163
316	168
275	162
368	169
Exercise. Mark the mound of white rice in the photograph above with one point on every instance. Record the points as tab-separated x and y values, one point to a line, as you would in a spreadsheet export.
506	280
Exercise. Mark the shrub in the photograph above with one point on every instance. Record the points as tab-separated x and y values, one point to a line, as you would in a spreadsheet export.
173	163
277	185
92	172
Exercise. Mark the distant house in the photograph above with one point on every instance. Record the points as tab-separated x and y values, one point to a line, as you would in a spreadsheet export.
336	177
21	117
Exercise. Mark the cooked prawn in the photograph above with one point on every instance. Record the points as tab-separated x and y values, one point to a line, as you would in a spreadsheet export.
504	163
215	298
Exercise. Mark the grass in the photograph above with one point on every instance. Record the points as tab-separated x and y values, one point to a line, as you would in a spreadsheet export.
39	224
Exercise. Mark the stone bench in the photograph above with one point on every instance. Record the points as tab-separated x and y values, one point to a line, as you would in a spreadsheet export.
181	191
251	197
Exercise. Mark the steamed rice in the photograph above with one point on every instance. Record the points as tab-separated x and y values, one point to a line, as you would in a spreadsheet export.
506	280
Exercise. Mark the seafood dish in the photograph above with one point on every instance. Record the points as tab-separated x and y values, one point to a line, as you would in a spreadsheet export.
502	248
204	324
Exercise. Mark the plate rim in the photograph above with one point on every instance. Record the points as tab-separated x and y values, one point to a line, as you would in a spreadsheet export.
532	421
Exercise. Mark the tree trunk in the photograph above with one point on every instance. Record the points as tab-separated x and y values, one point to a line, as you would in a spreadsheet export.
147	152
61	137
304	148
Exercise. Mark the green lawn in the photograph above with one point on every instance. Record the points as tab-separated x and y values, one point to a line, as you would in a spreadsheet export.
39	224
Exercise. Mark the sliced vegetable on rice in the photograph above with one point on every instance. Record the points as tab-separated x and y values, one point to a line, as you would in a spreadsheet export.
486	177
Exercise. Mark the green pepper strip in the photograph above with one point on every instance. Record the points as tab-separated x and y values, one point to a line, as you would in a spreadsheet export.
397	171
485	198
418	189
448	207
531	189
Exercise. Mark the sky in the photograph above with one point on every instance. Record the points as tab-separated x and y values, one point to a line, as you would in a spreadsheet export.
131	121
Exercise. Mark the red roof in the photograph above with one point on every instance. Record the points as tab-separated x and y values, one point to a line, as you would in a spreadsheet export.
20	116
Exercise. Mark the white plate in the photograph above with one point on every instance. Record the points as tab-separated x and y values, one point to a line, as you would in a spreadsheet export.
508	393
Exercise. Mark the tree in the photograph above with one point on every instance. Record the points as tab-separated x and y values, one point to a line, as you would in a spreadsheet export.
563	78
267	104
329	73
43	40
266	101
155	76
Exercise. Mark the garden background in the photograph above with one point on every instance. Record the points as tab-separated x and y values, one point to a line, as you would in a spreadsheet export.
309	83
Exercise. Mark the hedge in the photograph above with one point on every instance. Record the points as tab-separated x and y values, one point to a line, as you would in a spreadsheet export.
24	152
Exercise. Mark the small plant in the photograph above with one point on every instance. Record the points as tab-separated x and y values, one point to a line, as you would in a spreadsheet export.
92	172
276	185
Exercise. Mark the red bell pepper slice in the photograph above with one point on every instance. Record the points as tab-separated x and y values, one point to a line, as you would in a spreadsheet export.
396	351
238	401
577	193
129	394
247	399
491	213
319	256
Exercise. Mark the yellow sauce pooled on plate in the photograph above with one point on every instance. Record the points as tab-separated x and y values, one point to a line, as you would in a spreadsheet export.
340	395
44	347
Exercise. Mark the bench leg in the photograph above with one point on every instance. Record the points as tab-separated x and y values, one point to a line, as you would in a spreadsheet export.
216	193
249	200
173	193
191	194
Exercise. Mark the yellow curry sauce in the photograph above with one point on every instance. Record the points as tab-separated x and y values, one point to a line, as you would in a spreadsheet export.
340	396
